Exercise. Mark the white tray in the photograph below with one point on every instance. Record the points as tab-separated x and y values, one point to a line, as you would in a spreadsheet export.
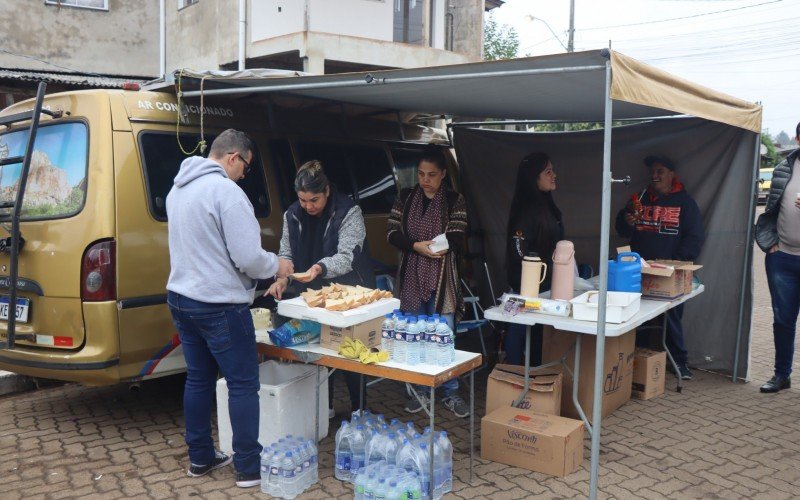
298	309
620	306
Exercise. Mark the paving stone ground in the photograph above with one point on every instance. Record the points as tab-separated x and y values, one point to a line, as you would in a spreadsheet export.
715	440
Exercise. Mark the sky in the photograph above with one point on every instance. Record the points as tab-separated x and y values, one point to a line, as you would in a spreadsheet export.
749	49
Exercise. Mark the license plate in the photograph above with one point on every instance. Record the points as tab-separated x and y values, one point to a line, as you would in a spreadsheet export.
22	309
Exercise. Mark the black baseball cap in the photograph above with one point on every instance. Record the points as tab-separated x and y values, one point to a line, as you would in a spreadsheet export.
663	160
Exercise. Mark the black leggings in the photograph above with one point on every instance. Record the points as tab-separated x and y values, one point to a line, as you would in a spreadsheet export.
353	381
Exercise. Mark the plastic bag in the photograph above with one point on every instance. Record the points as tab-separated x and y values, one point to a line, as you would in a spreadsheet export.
295	332
514	304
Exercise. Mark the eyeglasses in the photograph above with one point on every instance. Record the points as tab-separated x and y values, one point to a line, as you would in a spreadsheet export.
247	166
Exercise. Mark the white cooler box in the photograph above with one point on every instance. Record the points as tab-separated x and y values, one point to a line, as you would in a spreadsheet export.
286	401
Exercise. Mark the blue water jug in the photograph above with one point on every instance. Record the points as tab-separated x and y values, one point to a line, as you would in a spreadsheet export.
625	273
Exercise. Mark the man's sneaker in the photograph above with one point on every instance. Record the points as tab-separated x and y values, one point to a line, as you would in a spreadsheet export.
220	460
415	405
686	373
457	405
248	480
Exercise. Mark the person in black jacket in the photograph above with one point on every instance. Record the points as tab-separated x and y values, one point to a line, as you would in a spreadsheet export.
534	225
324	232
778	234
664	222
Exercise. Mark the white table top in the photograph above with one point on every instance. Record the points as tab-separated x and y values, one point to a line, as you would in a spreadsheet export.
649	309
461	357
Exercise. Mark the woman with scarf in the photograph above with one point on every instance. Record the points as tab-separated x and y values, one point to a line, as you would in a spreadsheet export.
428	282
324	233
534	225
664	222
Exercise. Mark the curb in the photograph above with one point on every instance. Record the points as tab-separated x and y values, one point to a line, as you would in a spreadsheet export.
11	383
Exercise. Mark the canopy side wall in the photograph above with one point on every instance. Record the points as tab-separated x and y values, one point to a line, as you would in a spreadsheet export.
715	163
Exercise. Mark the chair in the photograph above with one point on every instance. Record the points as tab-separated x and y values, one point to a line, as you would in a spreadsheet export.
466	326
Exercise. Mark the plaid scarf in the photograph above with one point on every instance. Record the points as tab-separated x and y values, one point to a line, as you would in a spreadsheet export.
422	273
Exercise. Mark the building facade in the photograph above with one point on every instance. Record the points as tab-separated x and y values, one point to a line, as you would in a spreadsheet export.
103	43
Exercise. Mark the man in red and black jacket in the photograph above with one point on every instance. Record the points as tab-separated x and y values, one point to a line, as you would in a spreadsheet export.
664	222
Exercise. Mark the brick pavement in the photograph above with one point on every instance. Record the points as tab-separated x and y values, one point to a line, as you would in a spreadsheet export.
716	440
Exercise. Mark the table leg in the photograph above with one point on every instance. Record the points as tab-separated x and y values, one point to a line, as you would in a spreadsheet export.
471	421
669	355
430	451
361	393
316	413
527	365
575	374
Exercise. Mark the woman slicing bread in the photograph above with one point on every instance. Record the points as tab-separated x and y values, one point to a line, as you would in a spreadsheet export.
324	232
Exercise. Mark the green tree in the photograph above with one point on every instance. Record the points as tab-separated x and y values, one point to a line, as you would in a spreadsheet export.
499	41
772	154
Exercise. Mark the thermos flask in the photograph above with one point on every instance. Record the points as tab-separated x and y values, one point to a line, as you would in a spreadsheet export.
563	282
533	273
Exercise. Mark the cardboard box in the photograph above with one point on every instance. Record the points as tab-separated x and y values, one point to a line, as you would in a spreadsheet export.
668	283
507	381
543	443
368	332
618	369
648	373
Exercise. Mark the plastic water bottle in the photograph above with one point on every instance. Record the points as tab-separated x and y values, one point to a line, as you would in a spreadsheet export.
344	454
447	459
275	481
372	451
422	468
370	486
395	493
358	441
421	321
390	449
387	334
445	342
266	456
381	490
429	344
360	485
412	342
313	454
399	345
288	479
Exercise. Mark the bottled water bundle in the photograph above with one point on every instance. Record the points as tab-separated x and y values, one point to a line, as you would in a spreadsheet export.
413	340
289	466
387	460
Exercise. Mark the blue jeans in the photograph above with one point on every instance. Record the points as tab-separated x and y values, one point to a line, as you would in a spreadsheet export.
219	337
783	278
449	388
514	344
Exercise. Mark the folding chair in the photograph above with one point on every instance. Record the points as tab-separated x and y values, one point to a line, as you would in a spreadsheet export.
478	323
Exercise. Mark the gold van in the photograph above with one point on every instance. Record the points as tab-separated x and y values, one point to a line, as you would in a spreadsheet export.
94	266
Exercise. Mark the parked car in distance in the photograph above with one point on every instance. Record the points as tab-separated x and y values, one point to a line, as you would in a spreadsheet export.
764	182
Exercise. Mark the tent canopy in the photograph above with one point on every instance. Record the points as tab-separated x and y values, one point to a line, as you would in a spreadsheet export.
568	87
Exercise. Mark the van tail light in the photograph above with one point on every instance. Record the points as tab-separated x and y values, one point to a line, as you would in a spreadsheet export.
98	272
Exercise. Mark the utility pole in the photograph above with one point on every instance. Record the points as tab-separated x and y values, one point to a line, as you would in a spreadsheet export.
571	42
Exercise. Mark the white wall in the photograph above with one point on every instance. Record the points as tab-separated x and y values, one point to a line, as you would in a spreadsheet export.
273	18
362	18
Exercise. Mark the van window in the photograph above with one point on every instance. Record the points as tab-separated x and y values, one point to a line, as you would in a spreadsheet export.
56	184
361	172
162	158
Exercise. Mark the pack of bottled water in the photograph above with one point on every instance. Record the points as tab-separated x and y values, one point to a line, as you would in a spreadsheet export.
289	466
418	339
373	454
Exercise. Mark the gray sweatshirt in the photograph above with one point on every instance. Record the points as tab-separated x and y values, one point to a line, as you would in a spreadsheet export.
214	237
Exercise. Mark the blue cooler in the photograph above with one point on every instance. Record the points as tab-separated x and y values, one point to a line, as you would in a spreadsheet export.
625	273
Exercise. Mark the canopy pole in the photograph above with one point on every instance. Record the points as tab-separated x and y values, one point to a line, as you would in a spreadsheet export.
600	352
748	258
370	79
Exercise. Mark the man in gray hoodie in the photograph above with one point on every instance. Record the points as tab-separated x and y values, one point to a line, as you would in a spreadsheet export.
215	258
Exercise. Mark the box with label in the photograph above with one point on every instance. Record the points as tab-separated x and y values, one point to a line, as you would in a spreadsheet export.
368	332
648	373
667	279
506	382
617	371
543	443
